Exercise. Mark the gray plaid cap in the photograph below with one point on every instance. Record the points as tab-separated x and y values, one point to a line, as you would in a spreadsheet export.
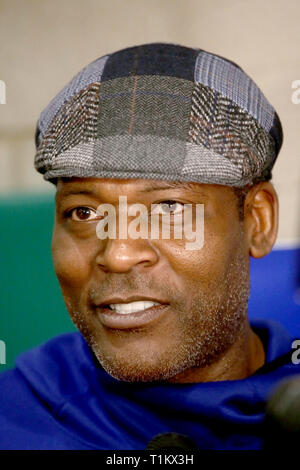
159	111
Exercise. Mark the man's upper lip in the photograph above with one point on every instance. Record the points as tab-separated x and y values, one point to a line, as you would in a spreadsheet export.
136	298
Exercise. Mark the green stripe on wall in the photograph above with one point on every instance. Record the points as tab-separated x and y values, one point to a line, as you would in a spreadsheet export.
31	305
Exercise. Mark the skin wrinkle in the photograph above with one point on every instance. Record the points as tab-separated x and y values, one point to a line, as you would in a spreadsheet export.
205	334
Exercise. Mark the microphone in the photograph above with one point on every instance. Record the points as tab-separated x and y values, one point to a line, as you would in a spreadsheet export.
172	442
282	422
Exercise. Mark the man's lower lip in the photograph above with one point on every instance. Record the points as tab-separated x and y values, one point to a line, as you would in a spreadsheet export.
112	319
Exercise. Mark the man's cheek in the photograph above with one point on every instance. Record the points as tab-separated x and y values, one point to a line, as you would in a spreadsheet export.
71	260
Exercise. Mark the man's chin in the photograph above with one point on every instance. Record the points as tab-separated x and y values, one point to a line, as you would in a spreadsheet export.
133	371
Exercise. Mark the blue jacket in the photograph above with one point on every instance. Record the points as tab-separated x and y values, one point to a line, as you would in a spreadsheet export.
59	397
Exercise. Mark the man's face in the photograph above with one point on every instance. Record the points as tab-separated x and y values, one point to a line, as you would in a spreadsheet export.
204	292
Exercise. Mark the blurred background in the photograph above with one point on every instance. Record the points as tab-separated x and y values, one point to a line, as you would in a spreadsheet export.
43	44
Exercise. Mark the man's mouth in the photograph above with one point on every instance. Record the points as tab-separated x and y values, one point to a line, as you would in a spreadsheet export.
131	307
125	315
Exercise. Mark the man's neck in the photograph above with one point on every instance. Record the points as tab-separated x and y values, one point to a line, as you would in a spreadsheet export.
241	360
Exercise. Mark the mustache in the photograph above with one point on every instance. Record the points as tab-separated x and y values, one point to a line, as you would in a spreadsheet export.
127	286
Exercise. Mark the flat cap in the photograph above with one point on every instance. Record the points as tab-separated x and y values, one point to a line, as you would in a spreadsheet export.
159	111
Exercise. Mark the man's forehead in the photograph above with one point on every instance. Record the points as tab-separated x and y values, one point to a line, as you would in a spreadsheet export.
66	186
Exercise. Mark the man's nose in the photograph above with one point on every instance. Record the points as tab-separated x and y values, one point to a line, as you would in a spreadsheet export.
119	255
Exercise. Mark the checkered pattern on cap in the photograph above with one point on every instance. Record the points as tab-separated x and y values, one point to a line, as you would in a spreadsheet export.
159	111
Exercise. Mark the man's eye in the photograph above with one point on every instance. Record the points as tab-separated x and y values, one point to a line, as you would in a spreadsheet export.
82	213
168	207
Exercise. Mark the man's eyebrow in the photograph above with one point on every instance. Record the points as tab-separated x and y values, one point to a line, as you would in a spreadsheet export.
160	186
68	192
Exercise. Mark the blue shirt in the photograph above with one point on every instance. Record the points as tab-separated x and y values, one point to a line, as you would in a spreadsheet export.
59	397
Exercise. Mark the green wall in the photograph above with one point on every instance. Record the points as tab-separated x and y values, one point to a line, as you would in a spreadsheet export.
31	305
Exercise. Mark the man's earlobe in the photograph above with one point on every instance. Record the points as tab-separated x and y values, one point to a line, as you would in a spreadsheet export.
261	219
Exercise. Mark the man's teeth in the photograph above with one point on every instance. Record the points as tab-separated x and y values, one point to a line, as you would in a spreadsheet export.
132	306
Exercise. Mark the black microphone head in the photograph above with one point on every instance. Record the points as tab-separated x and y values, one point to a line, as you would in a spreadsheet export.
172	442
282	423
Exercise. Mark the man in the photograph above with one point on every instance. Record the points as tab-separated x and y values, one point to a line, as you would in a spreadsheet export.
165	344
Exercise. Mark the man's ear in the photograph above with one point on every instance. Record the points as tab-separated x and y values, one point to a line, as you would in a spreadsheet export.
261	218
